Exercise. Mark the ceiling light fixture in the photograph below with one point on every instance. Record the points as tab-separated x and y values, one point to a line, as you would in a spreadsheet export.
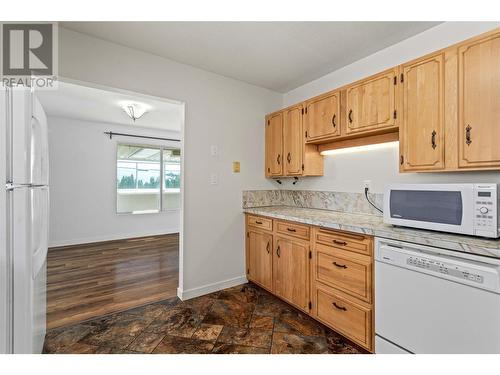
134	110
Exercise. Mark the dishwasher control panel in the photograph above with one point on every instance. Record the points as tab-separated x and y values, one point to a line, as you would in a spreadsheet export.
416	258
445	268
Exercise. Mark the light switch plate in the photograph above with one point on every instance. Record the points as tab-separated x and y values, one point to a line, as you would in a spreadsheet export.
214	150
214	179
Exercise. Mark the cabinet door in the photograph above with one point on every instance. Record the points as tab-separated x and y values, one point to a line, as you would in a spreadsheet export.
371	103
293	141
274	145
323	117
291	271
479	103
260	263
422	128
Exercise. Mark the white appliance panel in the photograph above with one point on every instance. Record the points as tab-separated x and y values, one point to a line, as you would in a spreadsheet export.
27	195
424	307
383	346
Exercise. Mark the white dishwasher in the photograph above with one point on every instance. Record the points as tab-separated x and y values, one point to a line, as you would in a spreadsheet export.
430	300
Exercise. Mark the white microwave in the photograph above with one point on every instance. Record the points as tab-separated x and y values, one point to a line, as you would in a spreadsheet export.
457	208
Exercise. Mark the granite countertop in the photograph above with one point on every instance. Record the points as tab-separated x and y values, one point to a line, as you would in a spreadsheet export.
374	225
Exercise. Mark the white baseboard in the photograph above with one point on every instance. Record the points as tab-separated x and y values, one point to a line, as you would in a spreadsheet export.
210	288
113	237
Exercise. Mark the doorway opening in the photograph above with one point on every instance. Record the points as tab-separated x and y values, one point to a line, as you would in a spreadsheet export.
116	200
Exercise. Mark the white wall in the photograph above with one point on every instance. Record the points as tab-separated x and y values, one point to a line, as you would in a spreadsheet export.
83	185
219	111
346	172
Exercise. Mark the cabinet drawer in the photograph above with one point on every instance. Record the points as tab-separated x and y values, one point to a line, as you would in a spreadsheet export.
357	243
260	222
292	229
345	316
344	270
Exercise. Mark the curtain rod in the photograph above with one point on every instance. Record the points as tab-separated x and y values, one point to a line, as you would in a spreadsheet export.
111	134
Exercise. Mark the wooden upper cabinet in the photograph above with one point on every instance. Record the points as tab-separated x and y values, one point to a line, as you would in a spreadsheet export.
293	141
422	128
322	117
260	258
274	144
479	102
291	271
371	103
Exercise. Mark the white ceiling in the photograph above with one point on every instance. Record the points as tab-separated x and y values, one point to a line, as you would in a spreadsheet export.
91	104
277	55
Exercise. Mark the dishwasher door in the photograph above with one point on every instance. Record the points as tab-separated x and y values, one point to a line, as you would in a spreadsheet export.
428	303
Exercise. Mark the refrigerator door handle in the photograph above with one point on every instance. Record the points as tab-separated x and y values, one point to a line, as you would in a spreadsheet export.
11	186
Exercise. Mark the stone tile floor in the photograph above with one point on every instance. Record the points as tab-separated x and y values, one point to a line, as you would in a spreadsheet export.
242	319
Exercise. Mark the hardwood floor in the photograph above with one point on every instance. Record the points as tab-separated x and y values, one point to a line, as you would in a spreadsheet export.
92	280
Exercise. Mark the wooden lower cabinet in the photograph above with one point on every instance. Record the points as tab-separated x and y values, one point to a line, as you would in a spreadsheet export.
291	271
326	273
259	252
344	314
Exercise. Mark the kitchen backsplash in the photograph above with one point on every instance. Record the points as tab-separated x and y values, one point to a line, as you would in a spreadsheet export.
324	200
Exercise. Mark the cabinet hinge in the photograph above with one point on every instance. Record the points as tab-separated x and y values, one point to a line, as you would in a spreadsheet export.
310	254
395	80
302	110
302	167
310	305
402	78
306	110
401	159
268	122
248	234
395	114
248	270
306	133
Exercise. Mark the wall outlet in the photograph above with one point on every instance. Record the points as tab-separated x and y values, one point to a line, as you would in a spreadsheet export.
367	184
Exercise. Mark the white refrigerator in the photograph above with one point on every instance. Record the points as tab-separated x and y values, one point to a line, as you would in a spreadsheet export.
24	219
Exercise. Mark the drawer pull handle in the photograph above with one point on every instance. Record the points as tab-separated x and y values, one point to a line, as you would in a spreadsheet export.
258	222
339	307
339	265
291	230
278	251
267	247
343	243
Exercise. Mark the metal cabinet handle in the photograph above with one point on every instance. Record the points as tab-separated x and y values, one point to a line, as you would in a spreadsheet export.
278	159
267	248
433	139
291	230
339	307
467	135
349	116
339	265
289	158
278	252
333	120
343	243
258	222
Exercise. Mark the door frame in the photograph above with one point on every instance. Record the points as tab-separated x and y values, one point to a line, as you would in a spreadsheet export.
117	90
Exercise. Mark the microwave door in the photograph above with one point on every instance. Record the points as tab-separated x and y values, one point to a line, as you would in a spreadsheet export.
440	208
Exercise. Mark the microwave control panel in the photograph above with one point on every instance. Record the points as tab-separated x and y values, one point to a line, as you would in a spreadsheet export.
486	210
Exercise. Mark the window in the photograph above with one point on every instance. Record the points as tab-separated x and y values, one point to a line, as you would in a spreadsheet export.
139	185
